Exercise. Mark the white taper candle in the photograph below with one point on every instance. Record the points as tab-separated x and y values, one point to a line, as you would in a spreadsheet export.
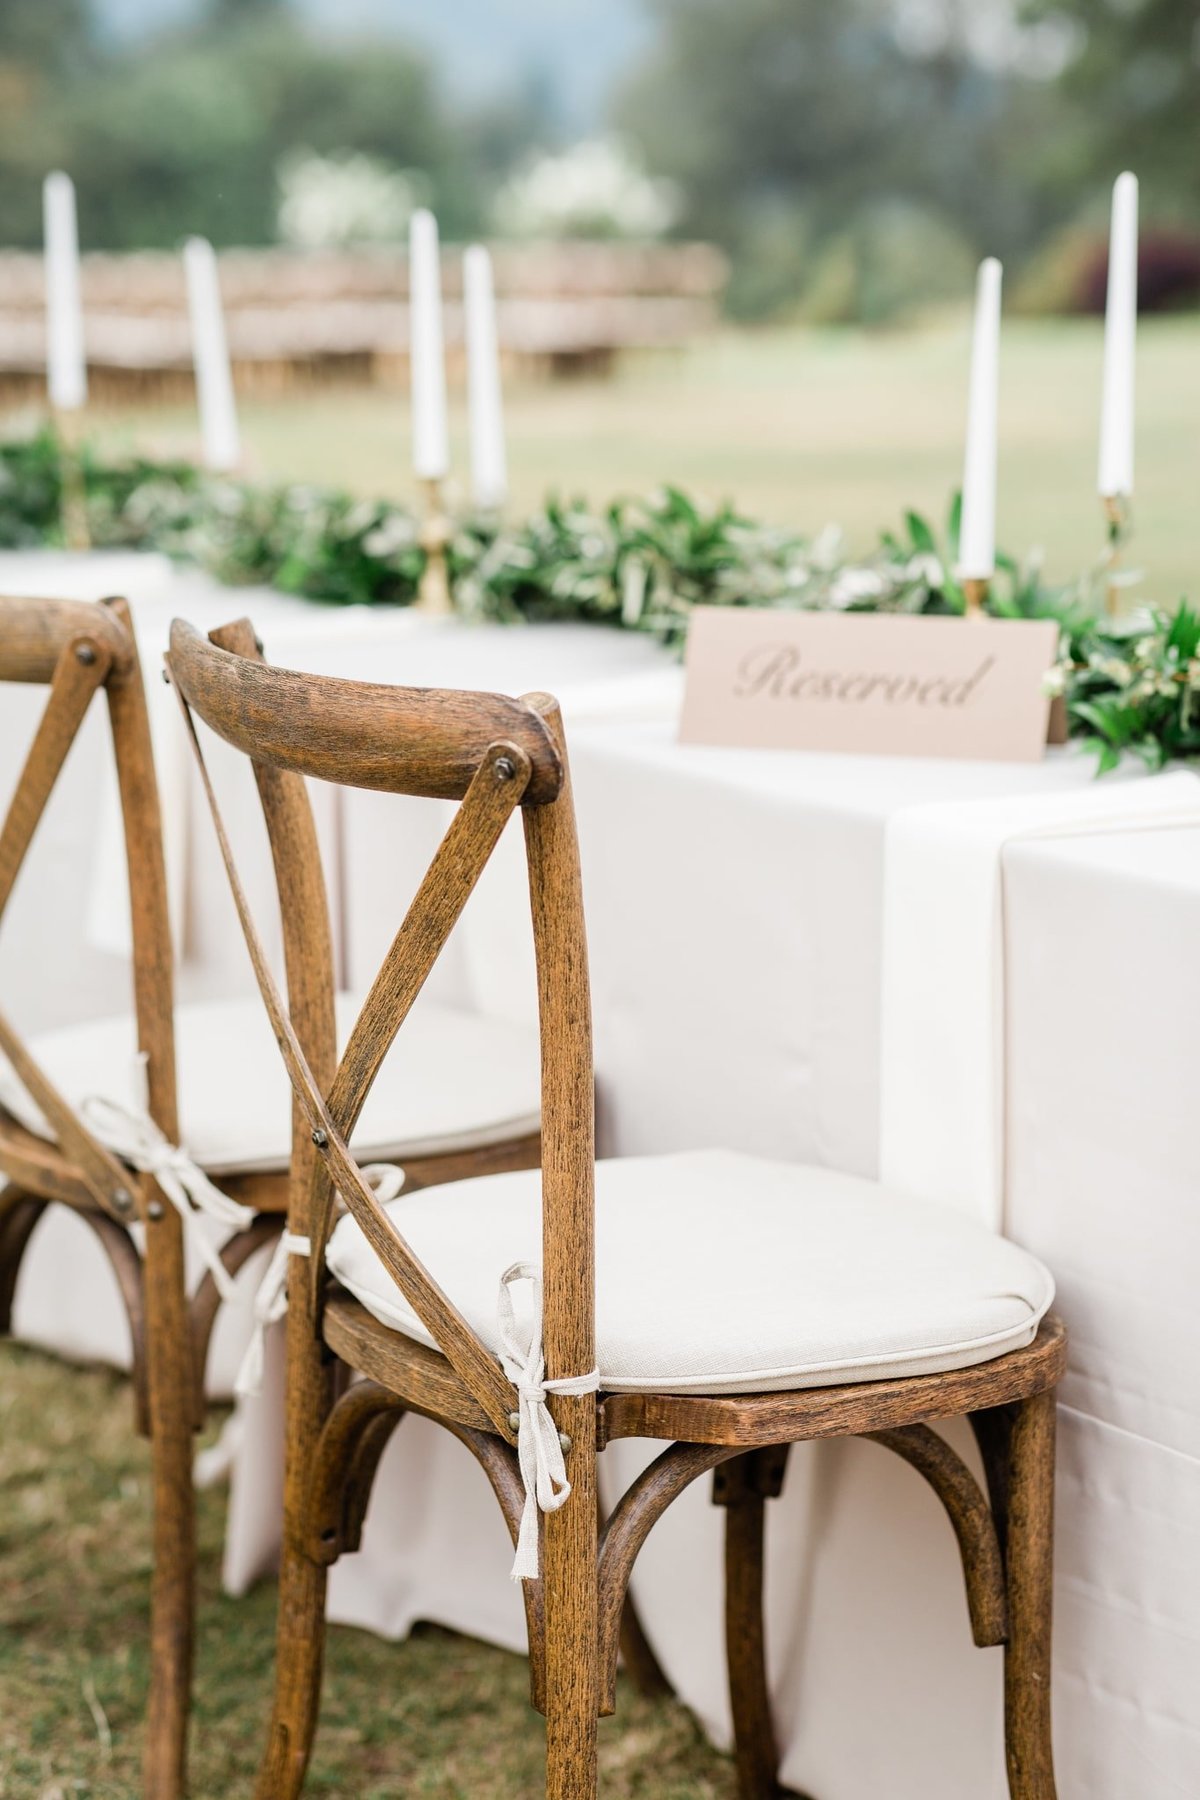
210	354
489	464
431	453
977	536
66	362
1115	476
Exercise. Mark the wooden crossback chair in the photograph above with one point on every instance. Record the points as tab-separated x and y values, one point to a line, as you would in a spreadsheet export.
742	1305
68	1136
78	651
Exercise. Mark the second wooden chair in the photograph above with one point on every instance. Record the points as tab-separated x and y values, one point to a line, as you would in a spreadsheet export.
728	1305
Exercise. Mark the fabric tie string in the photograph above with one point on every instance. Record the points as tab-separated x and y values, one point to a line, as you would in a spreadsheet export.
270	1306
270	1302
539	1448
130	1133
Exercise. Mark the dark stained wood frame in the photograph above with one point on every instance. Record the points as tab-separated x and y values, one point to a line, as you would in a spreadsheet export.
79	650
495	755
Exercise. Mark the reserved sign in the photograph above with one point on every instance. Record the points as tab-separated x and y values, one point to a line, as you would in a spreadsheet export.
871	683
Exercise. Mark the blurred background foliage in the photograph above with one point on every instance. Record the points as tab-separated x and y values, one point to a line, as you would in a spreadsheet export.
855	159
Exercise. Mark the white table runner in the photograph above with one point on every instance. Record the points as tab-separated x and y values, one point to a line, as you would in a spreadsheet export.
942	1038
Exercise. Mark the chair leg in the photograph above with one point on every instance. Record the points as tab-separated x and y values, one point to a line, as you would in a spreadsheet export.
568	1558
171	1385
1030	1552
743	1486
312	1379
299	1665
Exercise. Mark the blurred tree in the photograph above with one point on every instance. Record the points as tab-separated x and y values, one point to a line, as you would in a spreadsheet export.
186	134
185	131
50	35
43	44
1135	72
773	111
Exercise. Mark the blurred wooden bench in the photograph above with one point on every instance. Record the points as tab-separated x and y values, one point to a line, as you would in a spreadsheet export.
296	317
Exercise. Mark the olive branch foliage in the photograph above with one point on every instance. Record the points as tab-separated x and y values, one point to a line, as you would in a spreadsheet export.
1130	684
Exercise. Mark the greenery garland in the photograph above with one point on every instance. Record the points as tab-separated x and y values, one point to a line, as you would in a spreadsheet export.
1131	685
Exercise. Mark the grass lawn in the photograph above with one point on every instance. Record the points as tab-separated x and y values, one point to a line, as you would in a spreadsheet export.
439	1716
804	427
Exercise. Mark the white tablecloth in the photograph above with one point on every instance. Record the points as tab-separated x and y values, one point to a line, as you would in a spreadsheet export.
735	917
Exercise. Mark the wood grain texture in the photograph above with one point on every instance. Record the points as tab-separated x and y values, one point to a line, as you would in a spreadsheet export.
171	1378
1029	1548
31	1163
753	1419
423	1378
743	1486
423	741
569	1536
35	632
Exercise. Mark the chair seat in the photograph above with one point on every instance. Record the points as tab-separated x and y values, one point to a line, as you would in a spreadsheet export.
453	1082
718	1273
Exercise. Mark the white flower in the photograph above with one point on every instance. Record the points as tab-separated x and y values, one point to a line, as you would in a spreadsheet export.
852	585
341	199
927	568
828	547
395	533
1118	672
1054	681
595	187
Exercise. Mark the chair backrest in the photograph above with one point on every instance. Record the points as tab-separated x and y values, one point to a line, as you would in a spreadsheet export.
493	755
78	650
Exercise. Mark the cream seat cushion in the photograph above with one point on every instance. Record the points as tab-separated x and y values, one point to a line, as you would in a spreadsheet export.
453	1081
721	1273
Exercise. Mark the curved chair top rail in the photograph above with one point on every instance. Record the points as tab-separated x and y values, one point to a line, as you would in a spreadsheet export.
34	633
424	741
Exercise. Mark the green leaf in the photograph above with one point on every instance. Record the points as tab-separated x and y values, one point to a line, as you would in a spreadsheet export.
920	534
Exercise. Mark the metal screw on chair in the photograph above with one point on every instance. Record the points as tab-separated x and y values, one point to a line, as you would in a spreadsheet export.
122	1199
320	1138
155	1210
514	1421
505	768
85	653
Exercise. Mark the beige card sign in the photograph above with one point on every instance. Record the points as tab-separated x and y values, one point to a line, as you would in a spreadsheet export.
870	683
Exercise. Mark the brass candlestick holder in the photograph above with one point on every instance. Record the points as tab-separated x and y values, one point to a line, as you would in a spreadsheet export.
1116	531
433	594
976	589
74	497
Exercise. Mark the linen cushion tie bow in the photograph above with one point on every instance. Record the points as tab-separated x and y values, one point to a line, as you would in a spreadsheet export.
539	1448
130	1133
